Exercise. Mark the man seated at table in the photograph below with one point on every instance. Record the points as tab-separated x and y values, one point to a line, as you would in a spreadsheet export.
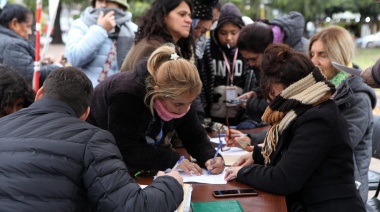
52	159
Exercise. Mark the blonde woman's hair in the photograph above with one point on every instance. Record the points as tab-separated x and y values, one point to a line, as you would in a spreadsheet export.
172	75
338	43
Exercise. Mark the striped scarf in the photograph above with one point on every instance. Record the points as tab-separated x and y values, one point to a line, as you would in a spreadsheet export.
293	101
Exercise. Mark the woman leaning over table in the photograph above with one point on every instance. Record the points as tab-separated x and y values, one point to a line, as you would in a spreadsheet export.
307	154
354	98
140	107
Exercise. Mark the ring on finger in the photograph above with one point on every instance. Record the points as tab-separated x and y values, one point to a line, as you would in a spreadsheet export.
230	170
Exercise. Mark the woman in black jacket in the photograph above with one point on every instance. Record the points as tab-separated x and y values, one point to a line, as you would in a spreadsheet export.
307	154
140	107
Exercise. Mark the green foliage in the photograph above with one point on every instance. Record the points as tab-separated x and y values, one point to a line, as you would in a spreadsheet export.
138	8
312	9
366	57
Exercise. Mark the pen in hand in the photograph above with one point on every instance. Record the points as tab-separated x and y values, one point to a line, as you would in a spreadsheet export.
178	162
216	154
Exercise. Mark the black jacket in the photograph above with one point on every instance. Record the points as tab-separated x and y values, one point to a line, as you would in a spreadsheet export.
19	53
293	24
312	164
51	160
118	106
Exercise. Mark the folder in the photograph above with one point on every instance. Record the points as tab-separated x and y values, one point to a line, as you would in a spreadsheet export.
226	205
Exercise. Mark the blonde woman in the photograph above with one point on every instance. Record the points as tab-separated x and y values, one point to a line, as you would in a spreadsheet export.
354	98
139	108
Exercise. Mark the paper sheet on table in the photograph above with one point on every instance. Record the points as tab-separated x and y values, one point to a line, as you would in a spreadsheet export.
204	178
185	204
232	155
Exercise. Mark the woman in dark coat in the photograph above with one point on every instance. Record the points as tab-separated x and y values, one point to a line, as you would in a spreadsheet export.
140	107
15	49
307	154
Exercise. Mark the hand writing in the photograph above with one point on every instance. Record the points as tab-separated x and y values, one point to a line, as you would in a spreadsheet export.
236	140
217	167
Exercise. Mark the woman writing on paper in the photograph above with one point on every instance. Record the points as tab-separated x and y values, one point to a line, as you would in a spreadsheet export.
307	153
140	107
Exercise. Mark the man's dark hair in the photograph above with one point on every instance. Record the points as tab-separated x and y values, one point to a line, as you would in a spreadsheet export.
281	64
70	85
255	37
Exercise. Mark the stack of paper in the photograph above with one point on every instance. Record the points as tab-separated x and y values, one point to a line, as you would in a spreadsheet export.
204	178
185	204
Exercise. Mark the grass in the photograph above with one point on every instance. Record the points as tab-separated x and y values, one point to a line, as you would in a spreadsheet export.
366	57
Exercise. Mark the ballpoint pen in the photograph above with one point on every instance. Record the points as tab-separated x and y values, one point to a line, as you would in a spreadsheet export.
216	154
178	162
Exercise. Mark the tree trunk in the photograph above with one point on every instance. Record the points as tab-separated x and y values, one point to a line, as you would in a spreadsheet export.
57	34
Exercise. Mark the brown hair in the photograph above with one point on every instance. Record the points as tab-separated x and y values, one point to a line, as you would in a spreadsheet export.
71	85
281	64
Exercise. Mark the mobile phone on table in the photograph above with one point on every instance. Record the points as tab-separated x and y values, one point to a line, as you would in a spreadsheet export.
235	192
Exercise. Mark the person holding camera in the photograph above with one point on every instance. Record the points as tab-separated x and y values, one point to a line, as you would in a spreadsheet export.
101	38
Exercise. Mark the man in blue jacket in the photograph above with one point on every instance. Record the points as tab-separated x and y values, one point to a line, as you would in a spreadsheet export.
52	160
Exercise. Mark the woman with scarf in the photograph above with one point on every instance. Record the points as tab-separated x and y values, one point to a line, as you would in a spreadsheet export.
307	153
355	99
101	38
157	100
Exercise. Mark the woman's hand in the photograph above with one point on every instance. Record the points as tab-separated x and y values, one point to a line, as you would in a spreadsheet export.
217	167
189	167
49	59
247	95
238	139
107	21
244	160
231	173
